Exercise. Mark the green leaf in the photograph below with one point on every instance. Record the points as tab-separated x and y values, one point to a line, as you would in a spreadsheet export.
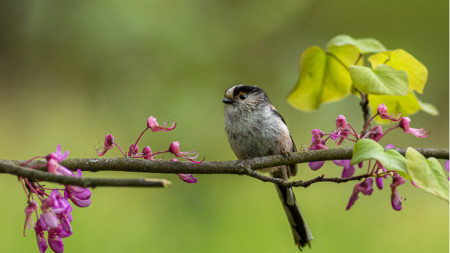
428	108
402	60
427	174
407	105
324	76
366	149
366	45
383	80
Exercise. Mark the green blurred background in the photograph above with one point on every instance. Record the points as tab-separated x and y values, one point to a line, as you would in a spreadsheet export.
73	71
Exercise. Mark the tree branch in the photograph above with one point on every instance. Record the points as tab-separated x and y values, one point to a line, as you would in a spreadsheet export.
247	167
364	103
12	168
225	167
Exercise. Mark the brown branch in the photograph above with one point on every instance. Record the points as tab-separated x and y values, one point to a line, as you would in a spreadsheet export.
247	167
12	168
225	167
301	183
364	103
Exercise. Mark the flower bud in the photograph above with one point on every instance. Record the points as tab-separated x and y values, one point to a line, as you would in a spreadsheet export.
109	142
382	111
376	133
341	122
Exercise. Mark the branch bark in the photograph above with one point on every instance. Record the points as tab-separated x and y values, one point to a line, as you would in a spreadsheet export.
364	103
240	167
11	167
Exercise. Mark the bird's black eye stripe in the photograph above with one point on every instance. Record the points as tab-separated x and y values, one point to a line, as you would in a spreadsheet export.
246	90
242	96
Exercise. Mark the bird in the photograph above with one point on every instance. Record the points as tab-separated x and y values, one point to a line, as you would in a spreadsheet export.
255	129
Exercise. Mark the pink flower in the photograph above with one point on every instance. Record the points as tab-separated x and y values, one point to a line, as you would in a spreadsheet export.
57	155
341	122
404	124
396	199
348	169
80	196
147	153
49	220
342	130
109	144
188	178
29	210
376	133
365	187
317	143
55	241
318	164
40	237
317	136
54	167
155	127
174	148
56	210
379	180
389	146
382	112
341	134
133	150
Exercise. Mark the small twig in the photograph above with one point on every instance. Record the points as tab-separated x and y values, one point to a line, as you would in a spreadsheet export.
10	168
301	183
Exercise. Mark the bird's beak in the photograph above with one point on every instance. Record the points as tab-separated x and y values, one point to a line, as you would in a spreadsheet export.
227	101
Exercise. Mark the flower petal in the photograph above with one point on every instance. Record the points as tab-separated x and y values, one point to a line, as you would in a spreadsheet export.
86	194
80	202
382	111
55	242
65	225
48	220
348	171
379	182
352	200
152	123
188	178
40	238
316	165
396	201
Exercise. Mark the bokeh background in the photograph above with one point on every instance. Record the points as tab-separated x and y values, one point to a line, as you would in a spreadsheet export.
73	71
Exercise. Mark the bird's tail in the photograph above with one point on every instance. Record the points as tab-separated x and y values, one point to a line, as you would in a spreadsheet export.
302	234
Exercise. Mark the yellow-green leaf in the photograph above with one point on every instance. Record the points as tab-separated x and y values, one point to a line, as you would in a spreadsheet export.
428	174
383	80
401	60
324	76
365	45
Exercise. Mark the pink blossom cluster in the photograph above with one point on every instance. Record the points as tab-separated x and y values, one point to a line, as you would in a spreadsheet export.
55	218
345	131
147	154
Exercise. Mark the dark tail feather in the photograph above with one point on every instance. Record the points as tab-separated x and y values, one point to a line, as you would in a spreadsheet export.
302	234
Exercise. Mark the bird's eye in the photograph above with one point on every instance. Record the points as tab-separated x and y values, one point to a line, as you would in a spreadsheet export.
242	96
